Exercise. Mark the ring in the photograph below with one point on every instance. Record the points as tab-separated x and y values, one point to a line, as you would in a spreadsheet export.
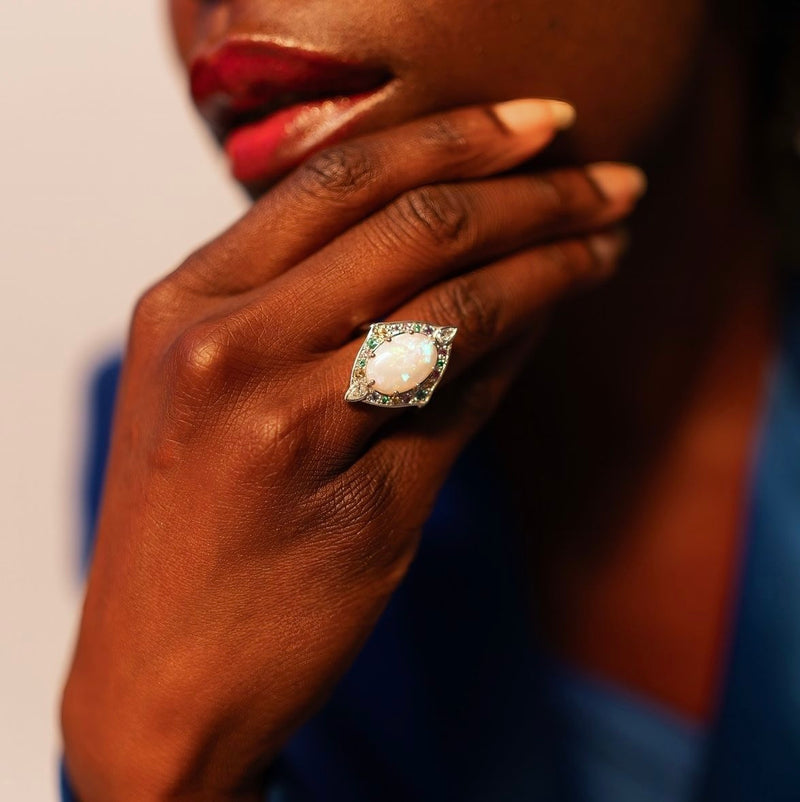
400	363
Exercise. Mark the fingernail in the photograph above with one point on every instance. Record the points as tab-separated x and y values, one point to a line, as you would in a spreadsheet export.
618	181
529	114
608	246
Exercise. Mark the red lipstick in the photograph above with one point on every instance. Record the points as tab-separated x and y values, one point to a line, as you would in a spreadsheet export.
271	106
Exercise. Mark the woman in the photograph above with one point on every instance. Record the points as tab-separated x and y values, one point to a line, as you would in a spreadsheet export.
567	630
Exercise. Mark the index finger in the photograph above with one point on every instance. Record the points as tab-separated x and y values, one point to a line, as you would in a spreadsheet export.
342	184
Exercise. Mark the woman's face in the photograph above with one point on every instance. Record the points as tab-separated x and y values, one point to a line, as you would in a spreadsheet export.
623	64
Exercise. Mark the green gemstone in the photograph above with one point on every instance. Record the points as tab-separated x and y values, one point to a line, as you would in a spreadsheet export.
371	342
417	327
385	399
362	363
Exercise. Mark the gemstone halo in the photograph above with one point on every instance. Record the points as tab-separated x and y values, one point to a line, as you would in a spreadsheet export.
400	363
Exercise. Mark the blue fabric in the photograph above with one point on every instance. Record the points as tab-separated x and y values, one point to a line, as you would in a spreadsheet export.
102	390
755	753
64	785
447	700
619	746
450	698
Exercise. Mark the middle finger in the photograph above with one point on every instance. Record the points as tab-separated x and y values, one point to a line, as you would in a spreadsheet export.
430	233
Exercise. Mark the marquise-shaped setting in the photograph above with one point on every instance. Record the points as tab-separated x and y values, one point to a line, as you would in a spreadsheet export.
400	363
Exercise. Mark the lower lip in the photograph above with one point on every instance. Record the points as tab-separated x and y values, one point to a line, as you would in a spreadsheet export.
264	151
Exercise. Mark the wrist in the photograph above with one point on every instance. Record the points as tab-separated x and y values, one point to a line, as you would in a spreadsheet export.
117	755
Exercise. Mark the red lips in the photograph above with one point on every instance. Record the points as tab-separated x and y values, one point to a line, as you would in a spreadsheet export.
271	106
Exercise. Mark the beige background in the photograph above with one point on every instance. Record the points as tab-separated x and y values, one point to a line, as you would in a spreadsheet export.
107	182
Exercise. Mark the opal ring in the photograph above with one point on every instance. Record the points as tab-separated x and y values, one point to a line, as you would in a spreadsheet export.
400	363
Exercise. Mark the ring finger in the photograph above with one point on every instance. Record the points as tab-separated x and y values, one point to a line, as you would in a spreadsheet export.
490	307
437	231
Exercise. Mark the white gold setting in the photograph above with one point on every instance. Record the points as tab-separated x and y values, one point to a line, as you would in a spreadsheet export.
400	363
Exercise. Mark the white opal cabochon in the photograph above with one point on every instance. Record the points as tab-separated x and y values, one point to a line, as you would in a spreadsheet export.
402	363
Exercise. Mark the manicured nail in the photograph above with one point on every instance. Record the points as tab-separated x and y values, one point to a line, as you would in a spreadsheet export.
529	114
618	181
608	246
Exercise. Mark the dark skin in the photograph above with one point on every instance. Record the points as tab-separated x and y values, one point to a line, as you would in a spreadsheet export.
448	54
656	430
240	539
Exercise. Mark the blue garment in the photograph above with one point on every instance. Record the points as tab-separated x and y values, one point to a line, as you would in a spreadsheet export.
618	746
451	699
755	752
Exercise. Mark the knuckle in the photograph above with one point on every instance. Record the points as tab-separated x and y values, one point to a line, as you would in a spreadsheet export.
573	258
199	274
460	303
280	430
154	307
565	195
338	172
289	417
257	332
444	135
199	357
191	369
555	196
164	303
437	212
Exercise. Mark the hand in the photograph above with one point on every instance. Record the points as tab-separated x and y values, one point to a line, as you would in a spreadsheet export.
254	524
